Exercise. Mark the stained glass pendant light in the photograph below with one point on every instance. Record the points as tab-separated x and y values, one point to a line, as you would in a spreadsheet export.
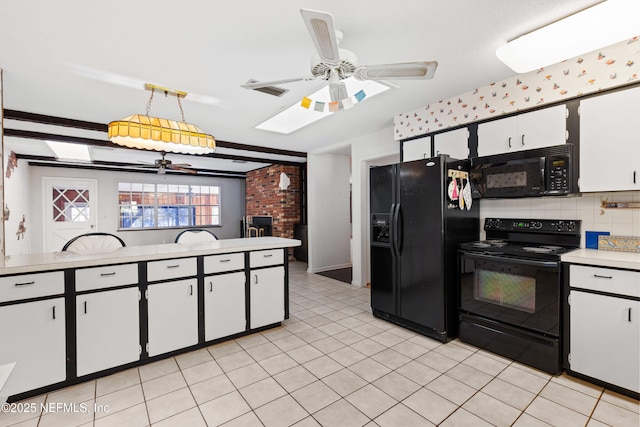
153	133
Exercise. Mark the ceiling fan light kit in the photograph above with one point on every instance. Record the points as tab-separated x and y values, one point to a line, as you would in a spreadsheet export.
335	65
153	133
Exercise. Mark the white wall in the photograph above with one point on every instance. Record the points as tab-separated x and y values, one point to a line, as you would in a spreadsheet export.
329	229
16	189
365	151
232	203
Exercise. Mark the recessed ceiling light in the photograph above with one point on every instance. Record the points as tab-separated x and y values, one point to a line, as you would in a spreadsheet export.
296	116
70	151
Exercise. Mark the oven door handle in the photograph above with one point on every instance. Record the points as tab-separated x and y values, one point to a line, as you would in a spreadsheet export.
546	264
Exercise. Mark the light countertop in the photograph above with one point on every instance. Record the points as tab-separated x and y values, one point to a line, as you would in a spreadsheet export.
61	260
628	260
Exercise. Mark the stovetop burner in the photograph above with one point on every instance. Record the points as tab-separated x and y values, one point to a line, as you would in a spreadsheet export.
539	239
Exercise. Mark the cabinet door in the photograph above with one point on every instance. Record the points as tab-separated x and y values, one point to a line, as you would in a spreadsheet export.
497	137
605	338
542	128
224	305
173	315
455	143
107	330
609	130
33	336
267	296
416	149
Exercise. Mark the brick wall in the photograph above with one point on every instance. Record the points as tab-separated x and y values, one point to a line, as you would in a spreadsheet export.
264	197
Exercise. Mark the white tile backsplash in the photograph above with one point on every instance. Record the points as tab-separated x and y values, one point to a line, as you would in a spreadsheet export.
587	208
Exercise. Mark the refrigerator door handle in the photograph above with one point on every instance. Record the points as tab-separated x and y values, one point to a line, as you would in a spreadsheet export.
397	225
392	229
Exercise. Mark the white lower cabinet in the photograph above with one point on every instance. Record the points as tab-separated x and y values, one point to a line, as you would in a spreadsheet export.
107	330
172	315
33	336
605	338
267	296
224	305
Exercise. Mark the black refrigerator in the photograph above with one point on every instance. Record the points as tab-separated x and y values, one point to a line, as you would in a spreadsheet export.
419	216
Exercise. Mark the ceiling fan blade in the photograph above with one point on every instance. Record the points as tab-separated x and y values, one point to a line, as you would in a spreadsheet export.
182	169
323	34
399	71
256	85
338	91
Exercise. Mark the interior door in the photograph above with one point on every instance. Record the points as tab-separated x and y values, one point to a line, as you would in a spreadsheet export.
70	209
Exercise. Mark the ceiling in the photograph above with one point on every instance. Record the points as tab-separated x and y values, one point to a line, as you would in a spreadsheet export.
72	59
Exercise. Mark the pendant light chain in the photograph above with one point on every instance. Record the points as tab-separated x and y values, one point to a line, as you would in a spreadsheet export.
149	101
181	110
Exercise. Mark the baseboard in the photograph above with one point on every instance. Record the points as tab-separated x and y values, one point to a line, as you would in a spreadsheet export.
331	267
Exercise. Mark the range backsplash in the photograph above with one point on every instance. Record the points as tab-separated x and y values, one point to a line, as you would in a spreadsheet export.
588	208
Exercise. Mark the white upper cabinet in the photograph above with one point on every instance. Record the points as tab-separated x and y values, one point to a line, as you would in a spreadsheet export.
416	149
455	143
537	129
609	130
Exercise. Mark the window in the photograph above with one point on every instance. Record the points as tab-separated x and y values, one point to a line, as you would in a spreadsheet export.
144	206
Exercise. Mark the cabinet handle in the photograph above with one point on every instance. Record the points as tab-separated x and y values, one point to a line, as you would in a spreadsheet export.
634	176
173	266
113	273
225	260
522	140
256	276
25	283
210	286
602	277
190	289
629	314
267	256
509	142
54	313
85	307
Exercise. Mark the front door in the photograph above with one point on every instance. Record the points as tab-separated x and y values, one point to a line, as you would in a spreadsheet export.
70	207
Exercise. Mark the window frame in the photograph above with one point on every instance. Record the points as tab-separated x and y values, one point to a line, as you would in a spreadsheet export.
158	205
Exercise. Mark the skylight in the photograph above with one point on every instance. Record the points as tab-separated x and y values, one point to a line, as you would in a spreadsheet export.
70	151
296	116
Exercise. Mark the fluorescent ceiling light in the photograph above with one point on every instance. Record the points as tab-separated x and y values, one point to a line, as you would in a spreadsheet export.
599	26
296	116
70	151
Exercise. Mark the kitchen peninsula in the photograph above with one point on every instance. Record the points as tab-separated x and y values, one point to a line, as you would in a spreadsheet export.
81	316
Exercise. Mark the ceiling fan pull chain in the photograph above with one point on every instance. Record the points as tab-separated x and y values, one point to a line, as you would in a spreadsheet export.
181	110
149	101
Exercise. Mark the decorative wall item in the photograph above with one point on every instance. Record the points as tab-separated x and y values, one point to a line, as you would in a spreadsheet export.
613	66
12	163
22	228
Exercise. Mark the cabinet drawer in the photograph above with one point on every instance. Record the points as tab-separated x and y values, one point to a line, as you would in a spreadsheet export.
106	277
13	288
262	258
225	262
605	280
171	269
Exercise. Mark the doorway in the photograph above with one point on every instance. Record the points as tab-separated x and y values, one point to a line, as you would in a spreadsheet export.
70	209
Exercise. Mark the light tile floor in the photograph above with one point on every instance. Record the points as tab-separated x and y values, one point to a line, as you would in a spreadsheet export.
332	364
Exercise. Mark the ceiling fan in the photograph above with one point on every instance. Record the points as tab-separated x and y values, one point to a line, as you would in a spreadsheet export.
163	164
333	64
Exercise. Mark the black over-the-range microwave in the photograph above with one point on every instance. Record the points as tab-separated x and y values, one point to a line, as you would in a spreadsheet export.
539	172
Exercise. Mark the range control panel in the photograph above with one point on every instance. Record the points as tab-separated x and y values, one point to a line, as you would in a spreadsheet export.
532	225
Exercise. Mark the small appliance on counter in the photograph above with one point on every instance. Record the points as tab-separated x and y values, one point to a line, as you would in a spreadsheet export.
539	172
420	212
511	289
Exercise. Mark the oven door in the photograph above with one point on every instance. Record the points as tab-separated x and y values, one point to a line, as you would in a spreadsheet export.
519	292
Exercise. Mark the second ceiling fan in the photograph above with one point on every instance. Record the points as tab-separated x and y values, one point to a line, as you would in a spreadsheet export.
334	65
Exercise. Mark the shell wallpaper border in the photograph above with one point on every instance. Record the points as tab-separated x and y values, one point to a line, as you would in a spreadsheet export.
609	67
